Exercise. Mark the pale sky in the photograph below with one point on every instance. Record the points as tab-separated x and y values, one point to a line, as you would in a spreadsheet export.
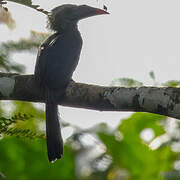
136	38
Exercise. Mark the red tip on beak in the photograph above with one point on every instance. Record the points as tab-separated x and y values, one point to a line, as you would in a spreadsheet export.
100	11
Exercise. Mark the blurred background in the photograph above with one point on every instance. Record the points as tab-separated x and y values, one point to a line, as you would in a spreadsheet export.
137	44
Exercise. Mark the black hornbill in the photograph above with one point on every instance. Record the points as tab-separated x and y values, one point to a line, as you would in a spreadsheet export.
57	59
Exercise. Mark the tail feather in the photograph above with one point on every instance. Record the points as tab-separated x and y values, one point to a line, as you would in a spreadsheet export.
53	132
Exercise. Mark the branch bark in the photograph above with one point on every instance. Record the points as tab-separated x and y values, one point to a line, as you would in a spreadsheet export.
159	100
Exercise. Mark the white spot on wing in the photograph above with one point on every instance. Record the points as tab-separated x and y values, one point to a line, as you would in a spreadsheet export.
42	47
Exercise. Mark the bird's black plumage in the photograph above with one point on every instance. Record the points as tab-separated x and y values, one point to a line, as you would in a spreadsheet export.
57	59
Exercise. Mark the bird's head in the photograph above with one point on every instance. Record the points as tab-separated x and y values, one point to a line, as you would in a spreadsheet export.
62	16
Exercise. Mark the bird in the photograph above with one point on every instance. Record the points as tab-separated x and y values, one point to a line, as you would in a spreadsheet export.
56	61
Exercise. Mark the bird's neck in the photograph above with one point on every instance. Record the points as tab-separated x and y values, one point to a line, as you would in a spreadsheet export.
68	28
71	28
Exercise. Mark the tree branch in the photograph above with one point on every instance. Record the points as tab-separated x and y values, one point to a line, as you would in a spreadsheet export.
159	100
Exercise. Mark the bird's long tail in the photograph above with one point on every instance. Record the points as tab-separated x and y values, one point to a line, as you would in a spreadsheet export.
53	132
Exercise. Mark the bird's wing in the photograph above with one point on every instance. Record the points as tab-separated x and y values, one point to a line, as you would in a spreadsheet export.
41	61
57	59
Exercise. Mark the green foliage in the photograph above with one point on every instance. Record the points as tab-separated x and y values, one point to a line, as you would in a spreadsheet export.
25	44
126	82
172	83
9	126
27	160
133	154
30	127
129	152
21	128
5	122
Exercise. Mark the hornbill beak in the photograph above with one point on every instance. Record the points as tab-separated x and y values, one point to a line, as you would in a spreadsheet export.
100	11
85	11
